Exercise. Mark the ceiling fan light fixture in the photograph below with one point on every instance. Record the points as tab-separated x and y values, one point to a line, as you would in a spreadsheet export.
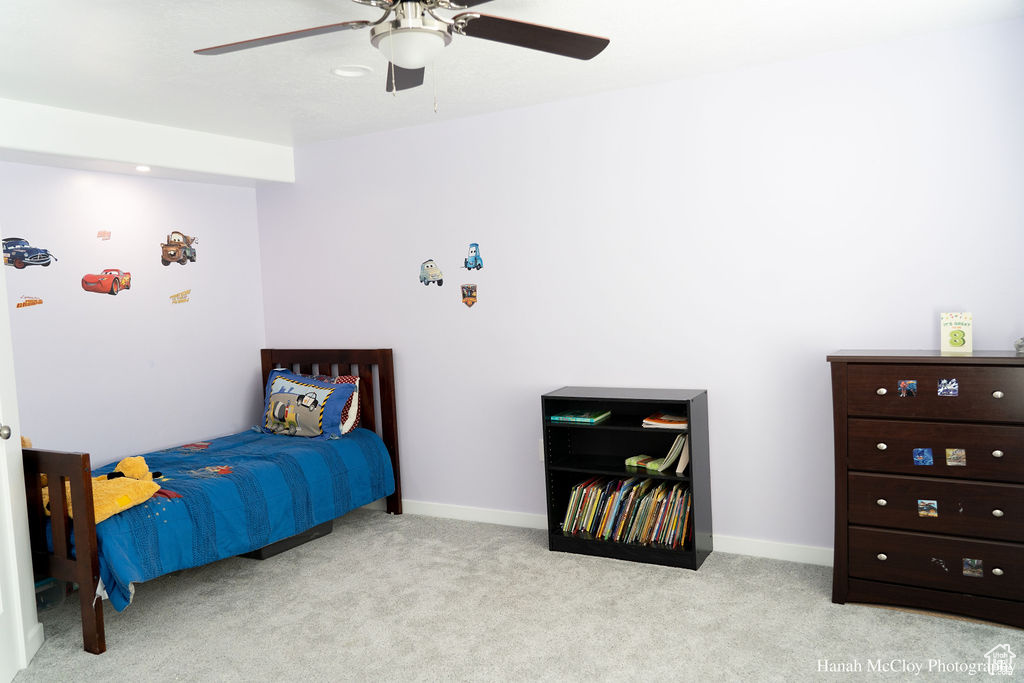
411	40
411	48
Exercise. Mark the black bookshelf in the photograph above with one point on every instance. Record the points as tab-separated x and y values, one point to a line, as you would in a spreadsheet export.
574	452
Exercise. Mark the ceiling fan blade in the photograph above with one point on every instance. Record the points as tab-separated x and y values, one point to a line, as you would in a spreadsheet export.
282	37
469	3
543	38
402	79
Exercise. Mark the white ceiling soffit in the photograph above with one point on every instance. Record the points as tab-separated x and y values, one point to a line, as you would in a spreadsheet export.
133	60
38	134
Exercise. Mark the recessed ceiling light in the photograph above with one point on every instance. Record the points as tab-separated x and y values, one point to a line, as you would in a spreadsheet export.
143	169
351	71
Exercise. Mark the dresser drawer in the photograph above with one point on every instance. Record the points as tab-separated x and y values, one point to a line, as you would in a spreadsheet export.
965	451
977	567
991	394
943	506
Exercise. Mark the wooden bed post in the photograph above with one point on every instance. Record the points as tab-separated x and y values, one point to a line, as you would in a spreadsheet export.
87	565
389	423
84	567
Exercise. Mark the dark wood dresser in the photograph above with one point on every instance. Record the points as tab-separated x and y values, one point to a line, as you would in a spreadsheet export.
929	464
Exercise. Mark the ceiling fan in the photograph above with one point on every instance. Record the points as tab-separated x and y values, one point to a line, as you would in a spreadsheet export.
410	34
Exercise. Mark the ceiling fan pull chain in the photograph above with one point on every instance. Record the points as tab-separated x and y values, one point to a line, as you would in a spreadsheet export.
433	81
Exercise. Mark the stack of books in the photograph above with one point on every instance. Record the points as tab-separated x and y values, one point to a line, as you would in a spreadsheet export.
589	417
662	420
633	510
680	451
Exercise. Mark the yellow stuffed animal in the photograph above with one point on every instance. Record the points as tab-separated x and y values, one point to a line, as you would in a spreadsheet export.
132	483
134	467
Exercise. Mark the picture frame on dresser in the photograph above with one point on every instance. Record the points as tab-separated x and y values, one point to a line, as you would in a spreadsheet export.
929	484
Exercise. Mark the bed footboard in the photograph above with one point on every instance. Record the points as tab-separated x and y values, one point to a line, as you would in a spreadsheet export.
82	565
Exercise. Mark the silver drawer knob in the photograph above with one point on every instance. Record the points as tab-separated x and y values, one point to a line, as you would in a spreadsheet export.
882	502
881	446
997	513
881	391
997	394
997	572
883	557
997	454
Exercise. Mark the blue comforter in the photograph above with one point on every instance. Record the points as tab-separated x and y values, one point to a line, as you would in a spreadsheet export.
236	494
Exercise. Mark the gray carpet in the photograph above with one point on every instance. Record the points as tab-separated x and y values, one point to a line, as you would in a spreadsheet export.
414	598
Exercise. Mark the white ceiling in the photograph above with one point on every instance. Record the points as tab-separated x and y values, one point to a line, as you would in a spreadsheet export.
133	59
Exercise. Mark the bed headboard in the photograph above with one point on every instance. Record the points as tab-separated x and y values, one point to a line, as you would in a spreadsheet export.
376	372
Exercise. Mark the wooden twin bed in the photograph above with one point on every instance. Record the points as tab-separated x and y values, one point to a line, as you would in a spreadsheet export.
77	558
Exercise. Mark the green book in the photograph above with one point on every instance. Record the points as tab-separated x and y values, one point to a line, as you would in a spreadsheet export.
646	461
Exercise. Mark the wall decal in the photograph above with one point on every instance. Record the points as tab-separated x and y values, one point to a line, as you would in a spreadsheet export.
429	272
19	253
181	297
179	247
474	260
103	235
110	281
27	301
469	295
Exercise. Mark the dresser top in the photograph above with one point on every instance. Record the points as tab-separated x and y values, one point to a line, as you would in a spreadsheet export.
926	356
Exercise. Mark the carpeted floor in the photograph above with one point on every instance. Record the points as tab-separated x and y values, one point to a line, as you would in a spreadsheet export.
414	598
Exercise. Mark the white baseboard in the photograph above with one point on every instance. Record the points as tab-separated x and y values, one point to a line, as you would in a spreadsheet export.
474	514
33	641
792	552
774	550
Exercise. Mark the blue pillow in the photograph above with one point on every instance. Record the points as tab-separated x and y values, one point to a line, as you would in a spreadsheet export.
296	405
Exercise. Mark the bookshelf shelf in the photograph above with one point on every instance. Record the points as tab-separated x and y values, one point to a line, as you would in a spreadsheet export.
618	423
607	465
577	452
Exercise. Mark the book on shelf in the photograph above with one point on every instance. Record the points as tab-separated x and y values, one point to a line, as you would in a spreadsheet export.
679	445
662	420
634	510
570	509
647	462
590	417
625	510
622	492
684	455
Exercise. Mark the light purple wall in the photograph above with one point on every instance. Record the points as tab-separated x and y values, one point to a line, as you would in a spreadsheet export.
120	375
723	233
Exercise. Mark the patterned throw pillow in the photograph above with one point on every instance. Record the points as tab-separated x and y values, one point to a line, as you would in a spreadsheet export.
297	405
350	413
